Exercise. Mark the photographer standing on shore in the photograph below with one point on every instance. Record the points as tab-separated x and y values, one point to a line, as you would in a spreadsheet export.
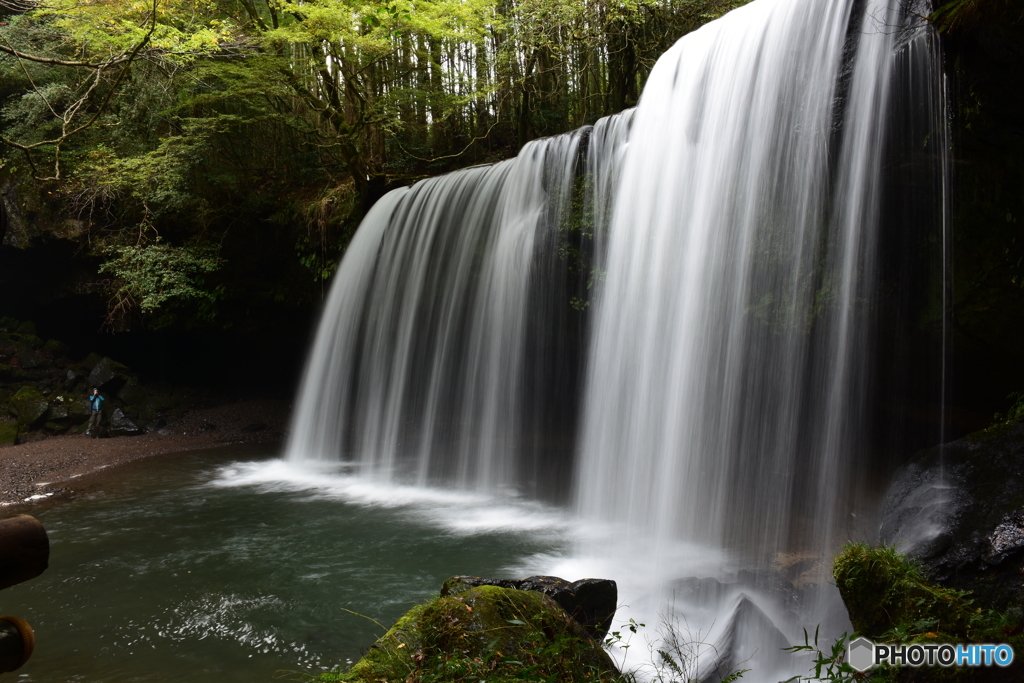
96	401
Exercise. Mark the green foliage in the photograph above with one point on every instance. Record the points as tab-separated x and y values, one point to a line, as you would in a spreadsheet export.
1002	423
270	126
1016	411
886	593
679	654
147	277
953	15
827	666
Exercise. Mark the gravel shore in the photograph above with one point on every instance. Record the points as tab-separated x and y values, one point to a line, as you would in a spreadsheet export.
37	470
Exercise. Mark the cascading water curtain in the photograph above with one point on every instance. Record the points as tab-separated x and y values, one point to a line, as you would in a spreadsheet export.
424	366
734	339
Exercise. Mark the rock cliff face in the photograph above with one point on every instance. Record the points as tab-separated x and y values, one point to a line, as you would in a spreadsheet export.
984	52
959	510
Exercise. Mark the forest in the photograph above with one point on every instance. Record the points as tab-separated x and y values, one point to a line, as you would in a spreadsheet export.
208	159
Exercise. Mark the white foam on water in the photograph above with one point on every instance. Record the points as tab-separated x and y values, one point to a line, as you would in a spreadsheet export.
461	513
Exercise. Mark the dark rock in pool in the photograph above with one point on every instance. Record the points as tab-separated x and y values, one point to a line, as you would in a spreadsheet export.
121	425
959	510
591	602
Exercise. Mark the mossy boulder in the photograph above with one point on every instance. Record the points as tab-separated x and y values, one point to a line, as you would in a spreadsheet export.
28	405
79	409
28	357
591	602
889	599
56	427
884	590
485	633
55	349
133	393
109	375
56	413
66	408
8	432
29	341
10	373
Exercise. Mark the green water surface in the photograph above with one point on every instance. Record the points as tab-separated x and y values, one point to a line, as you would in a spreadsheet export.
157	575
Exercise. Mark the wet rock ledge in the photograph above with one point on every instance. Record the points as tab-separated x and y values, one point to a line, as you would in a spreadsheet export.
958	509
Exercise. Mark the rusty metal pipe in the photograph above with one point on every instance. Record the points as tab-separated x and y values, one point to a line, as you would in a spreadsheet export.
24	550
24	555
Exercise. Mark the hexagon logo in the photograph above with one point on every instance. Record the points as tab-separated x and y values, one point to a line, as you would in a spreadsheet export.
861	655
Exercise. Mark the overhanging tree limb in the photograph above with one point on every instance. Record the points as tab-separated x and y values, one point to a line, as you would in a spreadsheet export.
60	62
125	59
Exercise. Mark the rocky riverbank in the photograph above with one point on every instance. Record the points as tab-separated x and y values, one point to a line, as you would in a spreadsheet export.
44	414
43	391
43	468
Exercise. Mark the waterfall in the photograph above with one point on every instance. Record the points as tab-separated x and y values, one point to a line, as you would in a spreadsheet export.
676	320
725	380
441	354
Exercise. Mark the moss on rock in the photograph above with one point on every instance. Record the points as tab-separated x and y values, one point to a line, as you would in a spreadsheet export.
8	432
884	590
55	349
29	405
890	600
487	633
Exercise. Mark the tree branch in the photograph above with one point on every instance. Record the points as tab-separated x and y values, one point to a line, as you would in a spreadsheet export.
63	62
125	58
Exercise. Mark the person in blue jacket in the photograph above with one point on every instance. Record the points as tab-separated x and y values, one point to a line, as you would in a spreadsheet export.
96	414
